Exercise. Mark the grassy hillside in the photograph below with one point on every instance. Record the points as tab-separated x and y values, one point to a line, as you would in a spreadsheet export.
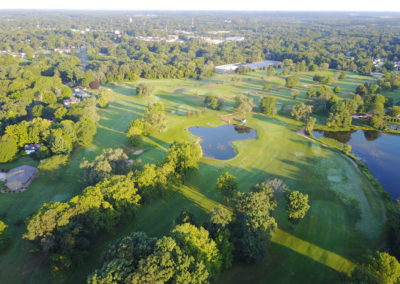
322	247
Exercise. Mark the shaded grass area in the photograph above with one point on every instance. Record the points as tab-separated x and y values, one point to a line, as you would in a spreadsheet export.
321	248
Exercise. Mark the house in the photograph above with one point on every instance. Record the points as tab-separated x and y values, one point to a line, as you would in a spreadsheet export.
31	148
68	102
18	179
227	68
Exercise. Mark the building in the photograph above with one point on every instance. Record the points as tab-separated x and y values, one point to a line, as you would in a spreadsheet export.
68	102
230	68
18	179
227	68
31	148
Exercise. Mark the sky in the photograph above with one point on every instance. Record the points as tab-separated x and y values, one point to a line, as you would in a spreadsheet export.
240	5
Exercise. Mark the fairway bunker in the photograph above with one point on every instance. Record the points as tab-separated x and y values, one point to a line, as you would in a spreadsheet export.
216	142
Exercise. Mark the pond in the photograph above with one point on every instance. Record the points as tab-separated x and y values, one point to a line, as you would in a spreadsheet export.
216	142
380	152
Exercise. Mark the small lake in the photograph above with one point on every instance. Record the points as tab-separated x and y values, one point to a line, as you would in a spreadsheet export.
216	142
380	152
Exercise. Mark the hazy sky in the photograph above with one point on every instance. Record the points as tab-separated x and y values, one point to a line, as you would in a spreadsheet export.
335	5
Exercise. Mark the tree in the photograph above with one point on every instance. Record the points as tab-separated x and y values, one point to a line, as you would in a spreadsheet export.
103	98
3	235
301	111
377	121
254	224
213	102
227	185
59	143
85	130
8	148
268	106
37	110
154	118
297	205
184	156
110	162
122	257
169	264
220	216
310	123
340	114
266	87
292	81
311	92
219	228
197	243
337	89
144	90
379	267
243	104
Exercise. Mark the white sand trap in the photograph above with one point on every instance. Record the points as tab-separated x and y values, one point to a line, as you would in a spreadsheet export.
138	152
298	154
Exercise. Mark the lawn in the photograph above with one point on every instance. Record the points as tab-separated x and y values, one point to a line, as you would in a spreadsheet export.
324	246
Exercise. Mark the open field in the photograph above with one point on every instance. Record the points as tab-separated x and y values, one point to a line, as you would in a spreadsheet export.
324	245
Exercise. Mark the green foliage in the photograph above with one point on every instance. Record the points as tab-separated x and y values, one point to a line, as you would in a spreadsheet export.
4	239
66	228
37	110
297	205
301	111
169	264
379	267
185	217
311	92
292	81
377	121
268	106
340	114
323	79
213	102
8	148
227	185
122	257
266	87
104	98
144	90
221	217
337	89
197	243
136	140
184	156
154	118
254	224
53	163
85	131
243	104
310	123
109	162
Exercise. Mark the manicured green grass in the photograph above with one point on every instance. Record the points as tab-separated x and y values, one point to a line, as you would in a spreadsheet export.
324	245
